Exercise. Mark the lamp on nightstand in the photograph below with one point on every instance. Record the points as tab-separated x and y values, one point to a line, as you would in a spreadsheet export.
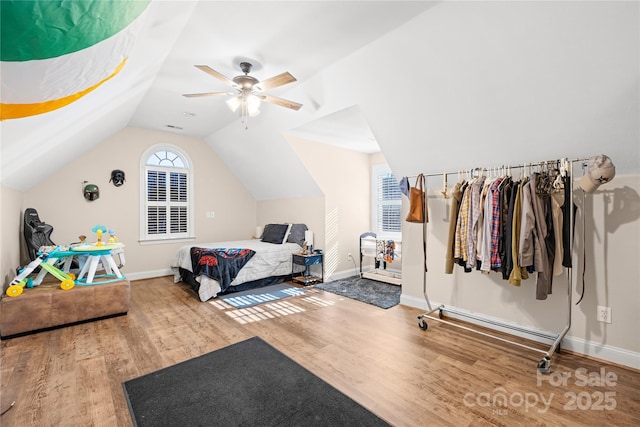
308	241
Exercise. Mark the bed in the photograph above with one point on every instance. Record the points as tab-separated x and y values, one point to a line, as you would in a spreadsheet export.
239	264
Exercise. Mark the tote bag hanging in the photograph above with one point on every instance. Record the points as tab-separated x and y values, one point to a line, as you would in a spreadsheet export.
417	202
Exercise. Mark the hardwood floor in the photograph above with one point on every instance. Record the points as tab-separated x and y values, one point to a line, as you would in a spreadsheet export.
440	377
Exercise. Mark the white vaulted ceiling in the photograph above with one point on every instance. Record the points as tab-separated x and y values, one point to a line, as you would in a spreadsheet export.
434	85
299	37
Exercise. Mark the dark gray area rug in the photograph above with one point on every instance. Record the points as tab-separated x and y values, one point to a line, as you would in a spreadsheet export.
373	292
249	383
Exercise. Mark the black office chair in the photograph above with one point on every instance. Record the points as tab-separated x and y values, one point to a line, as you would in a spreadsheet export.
36	233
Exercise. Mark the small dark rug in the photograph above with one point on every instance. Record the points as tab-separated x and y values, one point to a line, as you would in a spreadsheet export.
245	384
261	295
380	294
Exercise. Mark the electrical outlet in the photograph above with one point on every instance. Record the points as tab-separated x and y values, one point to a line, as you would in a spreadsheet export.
211	214
349	257
604	314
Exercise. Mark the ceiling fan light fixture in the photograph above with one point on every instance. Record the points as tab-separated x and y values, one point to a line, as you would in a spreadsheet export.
233	103
253	105
247	103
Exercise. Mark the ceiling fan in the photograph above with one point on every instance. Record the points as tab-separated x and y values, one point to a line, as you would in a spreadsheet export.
249	90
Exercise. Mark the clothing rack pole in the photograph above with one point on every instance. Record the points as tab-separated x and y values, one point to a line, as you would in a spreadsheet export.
545	363
518	166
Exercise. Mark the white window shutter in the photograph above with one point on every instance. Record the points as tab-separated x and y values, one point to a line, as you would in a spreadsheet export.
168	205
387	203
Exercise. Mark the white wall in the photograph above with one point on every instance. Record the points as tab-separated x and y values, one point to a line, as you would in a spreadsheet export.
344	178
59	200
303	210
10	233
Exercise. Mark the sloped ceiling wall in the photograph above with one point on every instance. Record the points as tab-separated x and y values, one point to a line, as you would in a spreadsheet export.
492	83
463	84
498	83
35	147
300	36
469	84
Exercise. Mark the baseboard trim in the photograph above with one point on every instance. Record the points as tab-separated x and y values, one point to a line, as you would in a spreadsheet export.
339	275
609	353
576	345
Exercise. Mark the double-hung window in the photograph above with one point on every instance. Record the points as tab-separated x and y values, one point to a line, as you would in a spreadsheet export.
167	202
386	203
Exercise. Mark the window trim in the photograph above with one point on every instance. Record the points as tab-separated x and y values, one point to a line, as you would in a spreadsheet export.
376	171
144	238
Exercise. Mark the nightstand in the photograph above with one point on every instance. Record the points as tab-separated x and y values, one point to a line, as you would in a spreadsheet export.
310	274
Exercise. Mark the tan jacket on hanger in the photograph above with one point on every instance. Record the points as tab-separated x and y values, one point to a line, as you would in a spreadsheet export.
517	273
456	199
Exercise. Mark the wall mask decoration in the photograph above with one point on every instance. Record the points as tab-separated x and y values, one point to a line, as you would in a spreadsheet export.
91	192
117	177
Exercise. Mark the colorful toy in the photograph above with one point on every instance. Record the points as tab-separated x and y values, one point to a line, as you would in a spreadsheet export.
92	256
99	229
47	256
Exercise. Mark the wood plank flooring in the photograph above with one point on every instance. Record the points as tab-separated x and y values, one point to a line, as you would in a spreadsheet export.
440	377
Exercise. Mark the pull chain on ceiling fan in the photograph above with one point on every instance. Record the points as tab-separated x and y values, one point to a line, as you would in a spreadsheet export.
249	91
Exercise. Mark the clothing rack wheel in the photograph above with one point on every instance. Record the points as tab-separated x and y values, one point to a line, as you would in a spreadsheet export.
544	365
422	324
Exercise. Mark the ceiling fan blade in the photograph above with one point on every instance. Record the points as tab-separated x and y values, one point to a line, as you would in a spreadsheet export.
275	81
281	102
215	74
195	95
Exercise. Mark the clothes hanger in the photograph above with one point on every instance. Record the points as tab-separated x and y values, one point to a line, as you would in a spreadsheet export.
444	186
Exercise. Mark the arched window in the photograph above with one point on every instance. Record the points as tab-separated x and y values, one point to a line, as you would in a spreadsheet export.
166	211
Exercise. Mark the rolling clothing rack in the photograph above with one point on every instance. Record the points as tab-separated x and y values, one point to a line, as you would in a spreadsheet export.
544	364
